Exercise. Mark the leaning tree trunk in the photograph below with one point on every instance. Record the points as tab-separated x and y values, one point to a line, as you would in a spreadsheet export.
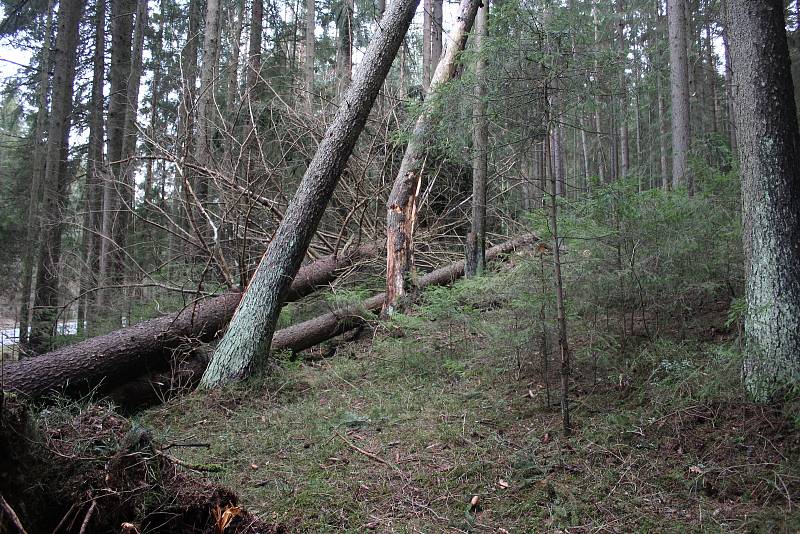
769	148
679	78
476	239
401	206
55	183
250	333
119	356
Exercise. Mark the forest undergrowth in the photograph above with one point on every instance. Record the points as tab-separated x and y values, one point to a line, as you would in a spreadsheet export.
402	432
446	419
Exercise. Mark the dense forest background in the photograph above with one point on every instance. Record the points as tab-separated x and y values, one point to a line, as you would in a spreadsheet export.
616	182
190	124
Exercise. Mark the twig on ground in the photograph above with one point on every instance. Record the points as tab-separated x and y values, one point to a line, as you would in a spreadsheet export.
88	517
207	468
370	455
12	515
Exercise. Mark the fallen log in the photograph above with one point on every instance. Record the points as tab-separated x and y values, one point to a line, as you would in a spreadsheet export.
125	354
150	389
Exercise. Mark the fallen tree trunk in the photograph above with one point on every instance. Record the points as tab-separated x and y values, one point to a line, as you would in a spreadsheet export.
125	354
150	389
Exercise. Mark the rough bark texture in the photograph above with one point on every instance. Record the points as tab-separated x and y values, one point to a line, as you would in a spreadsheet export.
679	77
124	354
249	336
55	176
186	373
476	240
401	206
769	148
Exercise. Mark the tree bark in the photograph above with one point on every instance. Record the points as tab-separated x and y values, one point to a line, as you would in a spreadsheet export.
119	356
769	149
37	177
401	205
248	338
56	175
679	77
476	240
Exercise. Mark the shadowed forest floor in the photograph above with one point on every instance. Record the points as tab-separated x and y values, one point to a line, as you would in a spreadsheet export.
440	422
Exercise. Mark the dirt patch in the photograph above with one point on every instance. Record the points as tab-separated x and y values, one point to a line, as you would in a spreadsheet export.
92	470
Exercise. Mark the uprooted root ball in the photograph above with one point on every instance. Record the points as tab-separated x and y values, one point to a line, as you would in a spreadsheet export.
72	470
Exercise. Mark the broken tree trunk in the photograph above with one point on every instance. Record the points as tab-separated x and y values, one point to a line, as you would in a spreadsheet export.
185	374
402	204
124	354
249	335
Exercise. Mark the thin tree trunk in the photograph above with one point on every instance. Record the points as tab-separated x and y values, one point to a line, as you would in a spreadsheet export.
662	138
476	239
311	24
436	33
598	125
248	339
584	153
402	203
233	66
37	177
344	67
155	99
560	307
769	149
205	105
624	133
729	89
95	167
427	70
111	255
679	76
56	178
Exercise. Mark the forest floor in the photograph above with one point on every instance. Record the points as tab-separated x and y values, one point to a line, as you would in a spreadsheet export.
441	422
